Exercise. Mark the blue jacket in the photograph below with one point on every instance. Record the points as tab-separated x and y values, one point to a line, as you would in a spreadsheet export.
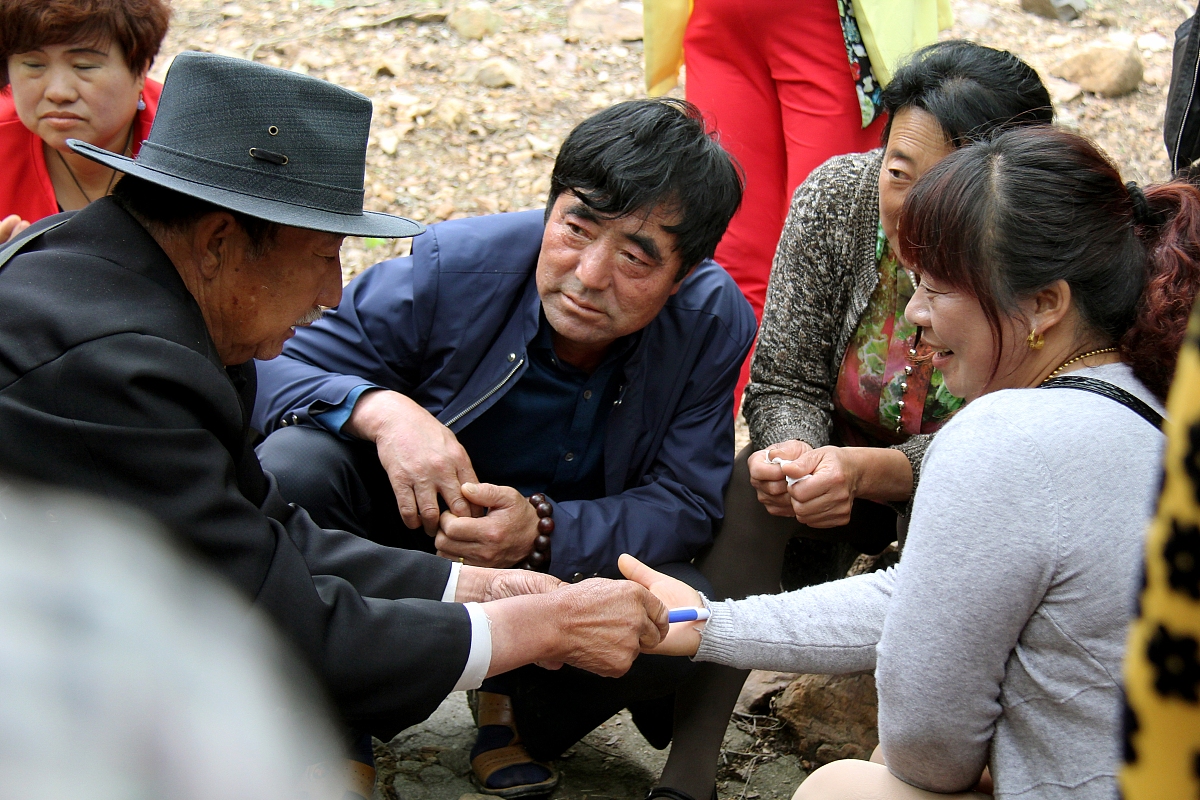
448	326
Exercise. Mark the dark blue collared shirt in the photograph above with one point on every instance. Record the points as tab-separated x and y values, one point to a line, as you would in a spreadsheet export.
546	434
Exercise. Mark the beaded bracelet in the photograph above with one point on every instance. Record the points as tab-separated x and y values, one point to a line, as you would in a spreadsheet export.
539	559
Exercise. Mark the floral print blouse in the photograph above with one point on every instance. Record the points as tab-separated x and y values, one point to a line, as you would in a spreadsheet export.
870	93
887	389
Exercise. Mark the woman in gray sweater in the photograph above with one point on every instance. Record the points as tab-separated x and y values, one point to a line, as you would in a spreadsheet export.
832	383
997	640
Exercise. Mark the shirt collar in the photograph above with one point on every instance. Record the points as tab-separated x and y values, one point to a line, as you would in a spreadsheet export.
544	341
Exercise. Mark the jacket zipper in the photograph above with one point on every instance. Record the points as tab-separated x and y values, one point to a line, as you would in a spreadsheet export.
1187	110
493	390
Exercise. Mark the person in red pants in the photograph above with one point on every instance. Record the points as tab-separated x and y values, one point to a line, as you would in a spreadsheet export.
788	85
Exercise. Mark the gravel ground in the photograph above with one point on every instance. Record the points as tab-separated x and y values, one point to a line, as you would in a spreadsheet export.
443	146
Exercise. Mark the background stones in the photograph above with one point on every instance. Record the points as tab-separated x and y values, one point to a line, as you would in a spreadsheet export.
604	21
474	20
834	716
1111	67
1064	10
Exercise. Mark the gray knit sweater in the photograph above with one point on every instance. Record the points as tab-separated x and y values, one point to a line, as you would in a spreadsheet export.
997	640
823	275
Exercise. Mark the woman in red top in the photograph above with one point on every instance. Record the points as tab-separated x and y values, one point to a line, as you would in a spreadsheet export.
71	69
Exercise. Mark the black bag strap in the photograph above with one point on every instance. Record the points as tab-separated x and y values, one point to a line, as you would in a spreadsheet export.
1111	391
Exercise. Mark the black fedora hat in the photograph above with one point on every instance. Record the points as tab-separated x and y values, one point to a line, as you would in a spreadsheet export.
263	141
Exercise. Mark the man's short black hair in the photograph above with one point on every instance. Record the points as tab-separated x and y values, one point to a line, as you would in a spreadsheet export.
643	154
164	211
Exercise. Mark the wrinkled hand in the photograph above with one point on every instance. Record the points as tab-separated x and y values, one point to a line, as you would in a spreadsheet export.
10	226
516	582
422	457
768	479
825	495
683	638
604	624
500	539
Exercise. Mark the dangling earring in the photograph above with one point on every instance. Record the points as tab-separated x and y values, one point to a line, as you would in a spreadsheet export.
141	106
1035	340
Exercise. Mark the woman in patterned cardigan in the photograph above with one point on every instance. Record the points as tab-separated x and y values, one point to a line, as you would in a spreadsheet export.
836	394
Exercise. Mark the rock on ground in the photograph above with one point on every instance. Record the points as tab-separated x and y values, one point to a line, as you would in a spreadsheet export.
760	688
605	21
834	716
1065	10
474	20
1111	68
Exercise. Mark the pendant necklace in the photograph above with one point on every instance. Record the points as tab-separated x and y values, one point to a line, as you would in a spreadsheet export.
112	179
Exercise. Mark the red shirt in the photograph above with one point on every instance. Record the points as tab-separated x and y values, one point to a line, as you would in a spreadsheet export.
25	187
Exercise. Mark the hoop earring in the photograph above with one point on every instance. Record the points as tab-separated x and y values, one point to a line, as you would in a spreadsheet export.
1035	340
141	105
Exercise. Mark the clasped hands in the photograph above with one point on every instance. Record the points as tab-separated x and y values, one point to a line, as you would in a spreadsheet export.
485	525
599	625
824	485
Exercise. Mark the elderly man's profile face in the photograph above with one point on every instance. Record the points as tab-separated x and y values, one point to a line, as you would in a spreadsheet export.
601	279
252	305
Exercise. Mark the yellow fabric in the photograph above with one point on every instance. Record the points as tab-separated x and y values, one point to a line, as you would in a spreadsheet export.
890	30
664	22
1161	666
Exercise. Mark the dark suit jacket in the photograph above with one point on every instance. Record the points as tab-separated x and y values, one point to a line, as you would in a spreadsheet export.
110	383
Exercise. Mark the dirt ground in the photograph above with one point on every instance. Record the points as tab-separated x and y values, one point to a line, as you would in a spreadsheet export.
442	146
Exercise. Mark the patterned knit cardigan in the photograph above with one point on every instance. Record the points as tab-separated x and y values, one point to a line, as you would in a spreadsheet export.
824	273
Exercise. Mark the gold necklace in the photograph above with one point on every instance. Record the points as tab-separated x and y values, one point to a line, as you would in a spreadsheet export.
1071	361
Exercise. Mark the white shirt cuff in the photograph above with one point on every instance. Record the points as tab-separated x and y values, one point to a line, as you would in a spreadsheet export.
480	657
452	583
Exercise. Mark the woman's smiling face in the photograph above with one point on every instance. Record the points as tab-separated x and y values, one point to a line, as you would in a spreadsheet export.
954	324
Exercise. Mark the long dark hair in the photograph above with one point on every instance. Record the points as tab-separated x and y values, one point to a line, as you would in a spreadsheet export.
1007	217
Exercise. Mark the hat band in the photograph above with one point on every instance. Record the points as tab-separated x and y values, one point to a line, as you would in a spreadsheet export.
250	181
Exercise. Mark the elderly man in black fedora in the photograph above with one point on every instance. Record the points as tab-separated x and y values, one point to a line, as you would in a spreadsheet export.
126	349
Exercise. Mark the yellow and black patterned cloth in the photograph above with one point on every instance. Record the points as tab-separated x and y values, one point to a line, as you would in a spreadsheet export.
1162	663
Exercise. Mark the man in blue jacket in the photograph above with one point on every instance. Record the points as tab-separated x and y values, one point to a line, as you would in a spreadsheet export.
562	380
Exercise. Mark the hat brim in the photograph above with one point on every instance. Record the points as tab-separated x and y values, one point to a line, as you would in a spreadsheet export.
369	223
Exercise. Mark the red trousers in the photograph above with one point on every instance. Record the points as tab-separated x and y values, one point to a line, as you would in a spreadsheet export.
773	77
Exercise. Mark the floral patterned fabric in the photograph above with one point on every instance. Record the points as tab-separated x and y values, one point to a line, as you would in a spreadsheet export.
870	93
884	395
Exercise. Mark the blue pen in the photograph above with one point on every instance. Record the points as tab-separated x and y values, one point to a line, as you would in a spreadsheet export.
687	615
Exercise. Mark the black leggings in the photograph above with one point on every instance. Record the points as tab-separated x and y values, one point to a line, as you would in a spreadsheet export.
747	558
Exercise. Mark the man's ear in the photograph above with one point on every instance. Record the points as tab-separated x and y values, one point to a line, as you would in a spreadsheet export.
213	242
